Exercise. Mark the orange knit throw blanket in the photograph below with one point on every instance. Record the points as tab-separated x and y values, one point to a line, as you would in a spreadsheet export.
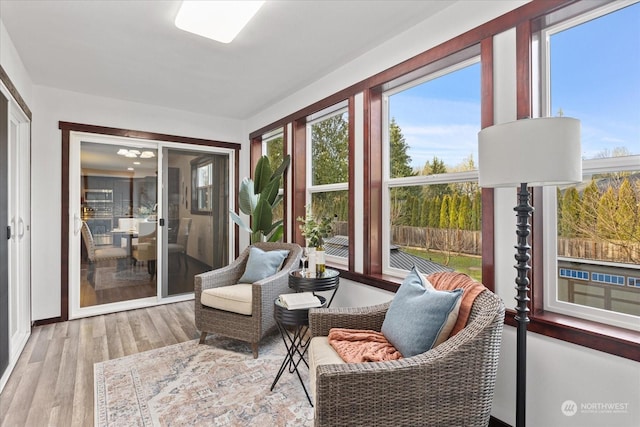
357	345
451	281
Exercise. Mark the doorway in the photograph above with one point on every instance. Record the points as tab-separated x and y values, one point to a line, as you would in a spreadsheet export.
142	225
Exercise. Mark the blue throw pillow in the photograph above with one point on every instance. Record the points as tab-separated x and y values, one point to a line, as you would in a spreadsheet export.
262	264
419	315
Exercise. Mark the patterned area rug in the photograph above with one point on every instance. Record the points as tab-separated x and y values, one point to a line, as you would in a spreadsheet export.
111	277
215	384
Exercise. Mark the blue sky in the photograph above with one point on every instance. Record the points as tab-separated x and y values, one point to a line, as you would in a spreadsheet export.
595	77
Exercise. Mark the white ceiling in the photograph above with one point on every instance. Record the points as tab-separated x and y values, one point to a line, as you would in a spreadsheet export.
131	50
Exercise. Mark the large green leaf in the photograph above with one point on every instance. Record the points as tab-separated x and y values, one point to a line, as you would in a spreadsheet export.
239	221
270	192
262	216
262	174
247	200
277	234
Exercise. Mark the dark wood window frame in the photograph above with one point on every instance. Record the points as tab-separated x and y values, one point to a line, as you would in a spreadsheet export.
66	129
609	339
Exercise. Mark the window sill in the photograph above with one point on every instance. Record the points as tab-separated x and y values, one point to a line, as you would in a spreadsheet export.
598	336
609	339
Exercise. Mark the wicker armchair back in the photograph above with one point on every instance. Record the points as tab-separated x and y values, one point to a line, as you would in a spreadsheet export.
449	385
239	326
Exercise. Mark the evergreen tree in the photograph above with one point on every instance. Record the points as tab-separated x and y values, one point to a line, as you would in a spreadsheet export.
424	212
454	211
444	212
464	214
400	161
434	212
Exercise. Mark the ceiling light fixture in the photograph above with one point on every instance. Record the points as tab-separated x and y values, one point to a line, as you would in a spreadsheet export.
135	153
216	20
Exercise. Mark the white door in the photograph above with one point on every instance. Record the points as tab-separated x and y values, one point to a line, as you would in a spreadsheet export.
16	285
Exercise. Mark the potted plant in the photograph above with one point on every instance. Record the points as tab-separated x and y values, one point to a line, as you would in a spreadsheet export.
315	231
259	198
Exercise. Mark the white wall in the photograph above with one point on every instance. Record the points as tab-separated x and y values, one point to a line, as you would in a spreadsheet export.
51	106
13	66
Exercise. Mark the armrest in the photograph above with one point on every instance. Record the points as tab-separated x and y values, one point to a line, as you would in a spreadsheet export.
410	391
321	320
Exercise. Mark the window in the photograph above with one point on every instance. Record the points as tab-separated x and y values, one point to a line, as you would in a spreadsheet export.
431	199
209	176
592	253
328	180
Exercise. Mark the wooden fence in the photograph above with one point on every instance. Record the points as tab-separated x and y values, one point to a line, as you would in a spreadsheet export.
470	242
623	252
447	240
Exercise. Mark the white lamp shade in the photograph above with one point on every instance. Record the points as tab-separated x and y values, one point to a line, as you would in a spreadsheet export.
542	151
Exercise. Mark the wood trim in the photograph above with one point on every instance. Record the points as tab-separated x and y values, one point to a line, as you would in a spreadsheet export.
523	70
153	136
373	185
64	229
67	128
487	119
597	336
4	78
288	220
351	257
299	169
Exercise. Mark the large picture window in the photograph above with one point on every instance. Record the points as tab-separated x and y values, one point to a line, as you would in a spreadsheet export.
591	71
431	200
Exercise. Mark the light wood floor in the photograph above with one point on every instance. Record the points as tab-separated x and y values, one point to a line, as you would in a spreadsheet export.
52	383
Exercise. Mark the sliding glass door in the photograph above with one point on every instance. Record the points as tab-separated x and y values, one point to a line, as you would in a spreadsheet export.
146	217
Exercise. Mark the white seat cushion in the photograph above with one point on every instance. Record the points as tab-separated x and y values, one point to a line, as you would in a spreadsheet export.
320	353
234	298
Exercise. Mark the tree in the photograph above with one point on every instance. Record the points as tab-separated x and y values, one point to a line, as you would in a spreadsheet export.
606	212
400	161
330	150
626	214
605	224
444	212
403	200
569	212
330	159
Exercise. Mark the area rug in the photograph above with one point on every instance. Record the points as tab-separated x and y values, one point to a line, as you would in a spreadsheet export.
111	277
218	383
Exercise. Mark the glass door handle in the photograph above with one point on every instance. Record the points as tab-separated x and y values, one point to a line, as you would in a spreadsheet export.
76	222
20	228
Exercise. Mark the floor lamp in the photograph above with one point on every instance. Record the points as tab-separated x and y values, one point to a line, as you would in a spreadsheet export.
528	152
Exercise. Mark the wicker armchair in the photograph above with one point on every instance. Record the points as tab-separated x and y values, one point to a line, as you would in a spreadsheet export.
250	328
449	385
